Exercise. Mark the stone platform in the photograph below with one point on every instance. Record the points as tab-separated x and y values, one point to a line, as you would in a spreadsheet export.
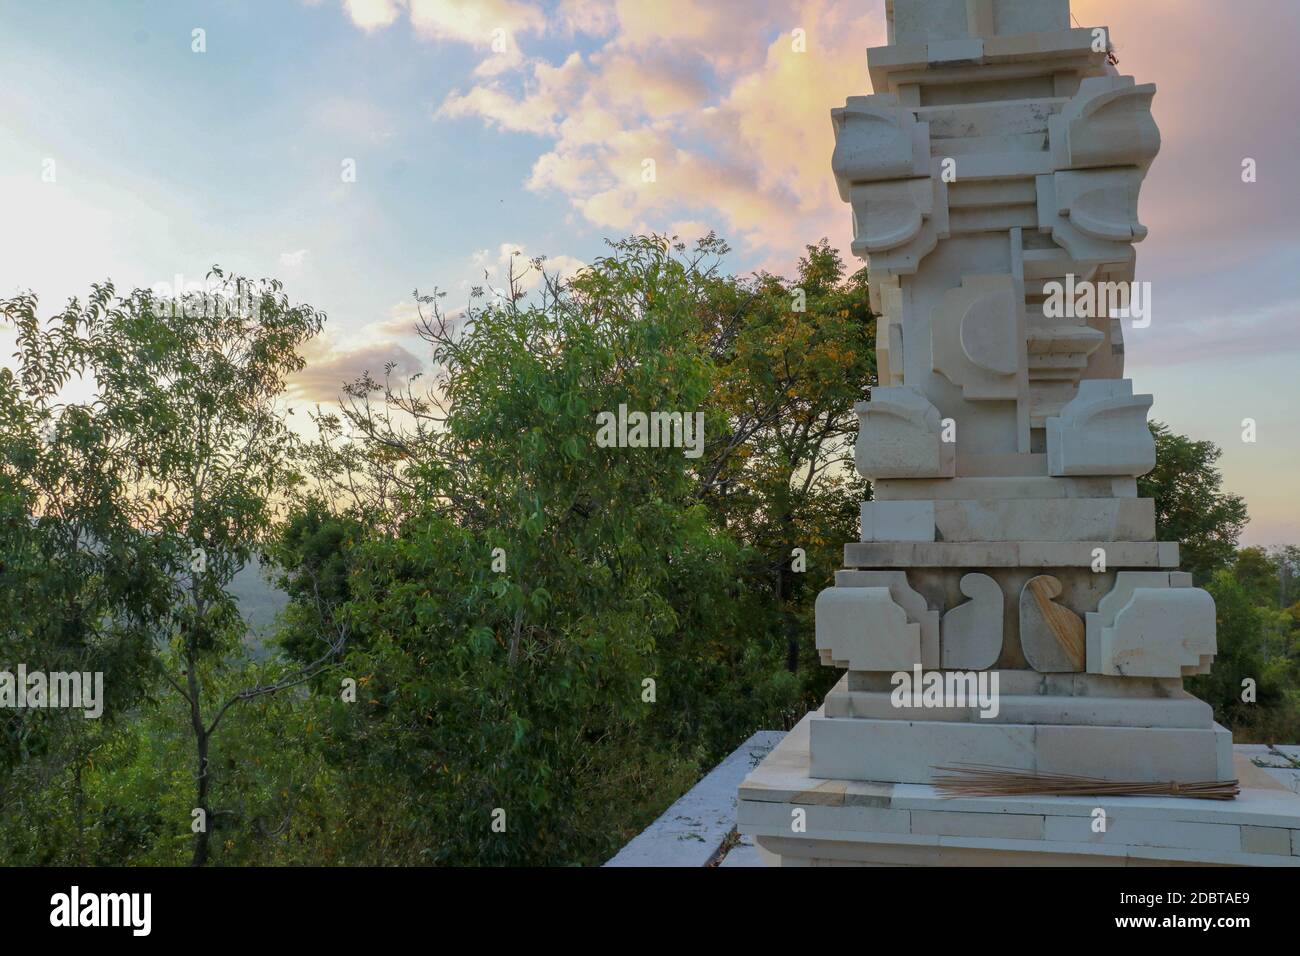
848	823
699	829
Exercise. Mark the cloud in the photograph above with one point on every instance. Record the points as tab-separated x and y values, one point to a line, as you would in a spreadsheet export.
476	22
596	18
496	267
715	95
373	14
401	324
293	260
679	115
329	367
335	358
545	98
735	119
493	26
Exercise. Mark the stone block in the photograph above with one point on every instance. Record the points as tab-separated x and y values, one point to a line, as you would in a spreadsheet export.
922	21
1108	123
897	520
1110	605
863	629
1103	431
877	140
1007	826
1177	646
960	50
1042	45
977	463
1023	682
910	600
1160	632
1046	519
1095	221
1014	17
976	343
1016	489
902	751
1102	203
1001	554
889	214
1051	635
780	816
1274	840
885	231
1134	753
1184	712
880	554
1150	833
971	638
887	303
908	751
901	436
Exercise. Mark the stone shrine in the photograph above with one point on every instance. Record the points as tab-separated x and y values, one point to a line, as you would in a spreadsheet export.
994	180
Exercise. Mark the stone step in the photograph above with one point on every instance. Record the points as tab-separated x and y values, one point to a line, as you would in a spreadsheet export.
1183	712
1009	554
899	751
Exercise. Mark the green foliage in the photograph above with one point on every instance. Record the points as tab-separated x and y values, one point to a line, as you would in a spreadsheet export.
1256	645
1257	572
129	512
1191	506
1251	587
793	357
488	610
313	551
521	686
78	580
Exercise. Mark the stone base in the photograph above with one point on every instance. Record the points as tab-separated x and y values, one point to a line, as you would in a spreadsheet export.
906	751
854	823
1181	711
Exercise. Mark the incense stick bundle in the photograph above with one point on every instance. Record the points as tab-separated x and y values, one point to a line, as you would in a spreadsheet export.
986	780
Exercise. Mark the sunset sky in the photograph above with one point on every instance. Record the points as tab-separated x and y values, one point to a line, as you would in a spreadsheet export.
167	161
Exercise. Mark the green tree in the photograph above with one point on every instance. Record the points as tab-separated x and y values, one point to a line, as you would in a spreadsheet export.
542	623
1191	506
182	426
524	620
1257	573
1253	646
793	357
78	580
1287	560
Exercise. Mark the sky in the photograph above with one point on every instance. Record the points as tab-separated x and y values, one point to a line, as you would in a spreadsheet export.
134	148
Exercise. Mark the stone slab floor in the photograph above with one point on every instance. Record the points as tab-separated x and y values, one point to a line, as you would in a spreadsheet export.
700	828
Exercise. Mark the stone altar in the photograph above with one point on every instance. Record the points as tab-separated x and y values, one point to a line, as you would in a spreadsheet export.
997	167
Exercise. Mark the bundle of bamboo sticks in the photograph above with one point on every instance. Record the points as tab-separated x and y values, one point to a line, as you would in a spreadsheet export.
987	780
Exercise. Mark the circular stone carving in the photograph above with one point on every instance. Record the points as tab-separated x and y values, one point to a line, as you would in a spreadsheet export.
988	334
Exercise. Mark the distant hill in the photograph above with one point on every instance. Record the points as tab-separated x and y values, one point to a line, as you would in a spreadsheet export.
259	603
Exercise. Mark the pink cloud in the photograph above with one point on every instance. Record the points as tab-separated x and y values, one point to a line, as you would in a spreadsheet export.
723	100
325	374
736	120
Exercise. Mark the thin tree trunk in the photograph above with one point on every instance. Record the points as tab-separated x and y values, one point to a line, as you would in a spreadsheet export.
201	799
515	637
79	802
784	587
200	737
